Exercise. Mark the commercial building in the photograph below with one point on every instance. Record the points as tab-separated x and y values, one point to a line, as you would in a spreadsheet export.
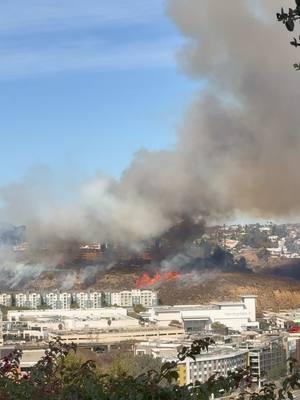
268	357
236	316
36	325
294	349
28	300
163	349
116	336
29	358
217	360
284	319
31	315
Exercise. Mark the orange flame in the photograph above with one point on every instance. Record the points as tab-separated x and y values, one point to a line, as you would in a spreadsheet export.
145	280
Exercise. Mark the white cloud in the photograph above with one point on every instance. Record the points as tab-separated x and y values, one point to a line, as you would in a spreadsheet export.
19	16
88	54
50	36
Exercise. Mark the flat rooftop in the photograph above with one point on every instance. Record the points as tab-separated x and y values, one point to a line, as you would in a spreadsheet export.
187	307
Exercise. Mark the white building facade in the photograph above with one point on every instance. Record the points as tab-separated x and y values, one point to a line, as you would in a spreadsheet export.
147	298
83	299
221	360
58	300
86	300
26	315
28	300
130	298
5	299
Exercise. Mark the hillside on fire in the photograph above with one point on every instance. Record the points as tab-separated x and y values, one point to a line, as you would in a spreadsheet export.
189	263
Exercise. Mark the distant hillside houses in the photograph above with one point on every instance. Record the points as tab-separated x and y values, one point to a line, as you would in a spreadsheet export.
281	241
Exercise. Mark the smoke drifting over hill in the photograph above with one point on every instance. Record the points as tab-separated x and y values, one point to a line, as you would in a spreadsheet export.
245	130
237	150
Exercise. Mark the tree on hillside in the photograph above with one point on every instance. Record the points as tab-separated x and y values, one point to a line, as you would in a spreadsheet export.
263	254
127	363
219	328
222	257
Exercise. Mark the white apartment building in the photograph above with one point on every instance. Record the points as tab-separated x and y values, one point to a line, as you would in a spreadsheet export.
235	315
87	300
58	300
121	299
147	298
84	299
5	299
129	298
28	300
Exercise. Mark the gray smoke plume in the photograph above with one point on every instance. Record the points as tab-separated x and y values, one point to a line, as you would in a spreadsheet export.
245	130
237	150
15	274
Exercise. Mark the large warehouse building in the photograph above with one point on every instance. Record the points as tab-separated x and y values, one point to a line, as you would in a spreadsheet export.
235	315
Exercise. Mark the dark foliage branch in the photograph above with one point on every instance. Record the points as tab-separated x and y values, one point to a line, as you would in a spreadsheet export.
288	19
54	377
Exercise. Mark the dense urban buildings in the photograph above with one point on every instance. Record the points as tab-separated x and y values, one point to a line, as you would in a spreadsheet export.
265	354
218	359
278	241
159	331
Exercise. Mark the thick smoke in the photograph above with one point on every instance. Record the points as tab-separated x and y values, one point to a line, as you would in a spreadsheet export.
15	274
237	150
245	130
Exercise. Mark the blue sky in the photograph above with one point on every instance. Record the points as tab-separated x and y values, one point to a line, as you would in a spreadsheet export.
85	84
